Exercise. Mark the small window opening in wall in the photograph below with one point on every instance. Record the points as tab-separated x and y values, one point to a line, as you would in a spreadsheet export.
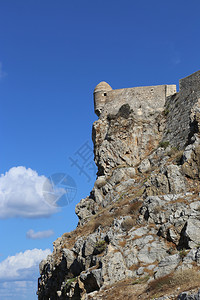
105	94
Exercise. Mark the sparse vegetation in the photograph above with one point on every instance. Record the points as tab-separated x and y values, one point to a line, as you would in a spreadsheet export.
127	224
124	289
186	279
179	157
121	196
182	254
68	283
172	151
100	247
166	112
140	280
105	216
156	209
96	225
140	192
163	144
133	207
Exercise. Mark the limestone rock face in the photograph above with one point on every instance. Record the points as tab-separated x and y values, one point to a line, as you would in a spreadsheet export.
192	232
125	138
141	221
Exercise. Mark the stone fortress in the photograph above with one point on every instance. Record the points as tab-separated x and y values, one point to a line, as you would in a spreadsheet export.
146	101
153	96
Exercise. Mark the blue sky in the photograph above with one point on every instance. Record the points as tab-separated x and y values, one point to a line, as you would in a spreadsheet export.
52	55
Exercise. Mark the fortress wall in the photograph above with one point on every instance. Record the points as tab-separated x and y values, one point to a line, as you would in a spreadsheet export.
142	100
179	109
180	112
190	83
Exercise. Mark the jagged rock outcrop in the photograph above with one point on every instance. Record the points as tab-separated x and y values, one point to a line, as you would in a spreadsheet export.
140	225
125	138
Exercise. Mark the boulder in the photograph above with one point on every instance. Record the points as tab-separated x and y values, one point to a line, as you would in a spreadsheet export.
167	265
144	166
192	232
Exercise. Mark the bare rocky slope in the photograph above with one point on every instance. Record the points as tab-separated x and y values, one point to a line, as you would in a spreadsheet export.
138	235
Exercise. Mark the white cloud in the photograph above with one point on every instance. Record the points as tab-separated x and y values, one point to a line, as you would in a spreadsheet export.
23	266
21	194
39	235
19	274
2	73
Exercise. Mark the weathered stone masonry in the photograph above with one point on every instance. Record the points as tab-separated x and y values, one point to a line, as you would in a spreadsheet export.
107	100
182	112
145	101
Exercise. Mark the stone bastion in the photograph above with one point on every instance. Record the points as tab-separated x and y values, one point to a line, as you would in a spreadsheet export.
140	99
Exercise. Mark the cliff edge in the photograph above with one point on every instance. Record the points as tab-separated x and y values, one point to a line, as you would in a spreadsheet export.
138	235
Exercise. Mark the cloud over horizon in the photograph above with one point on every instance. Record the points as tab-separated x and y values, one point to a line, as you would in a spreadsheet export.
18	290
21	194
31	234
23	266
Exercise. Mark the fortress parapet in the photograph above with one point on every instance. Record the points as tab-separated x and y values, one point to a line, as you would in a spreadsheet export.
139	98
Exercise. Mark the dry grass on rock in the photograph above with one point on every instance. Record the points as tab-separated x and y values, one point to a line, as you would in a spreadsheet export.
105	218
186	280
125	290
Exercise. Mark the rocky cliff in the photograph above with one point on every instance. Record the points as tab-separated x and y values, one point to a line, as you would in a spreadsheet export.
138	235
